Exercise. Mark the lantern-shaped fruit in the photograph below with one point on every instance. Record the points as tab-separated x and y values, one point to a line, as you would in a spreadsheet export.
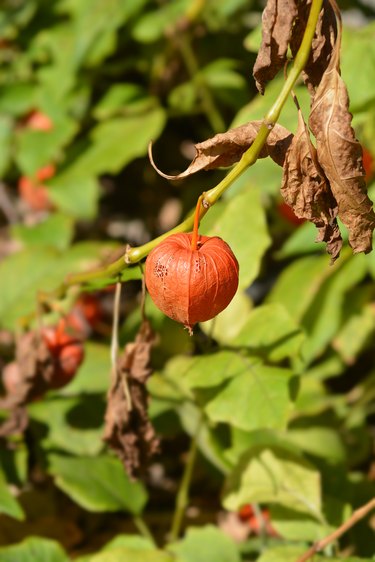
191	285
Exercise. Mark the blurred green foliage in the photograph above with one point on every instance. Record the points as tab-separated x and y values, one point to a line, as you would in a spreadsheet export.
279	390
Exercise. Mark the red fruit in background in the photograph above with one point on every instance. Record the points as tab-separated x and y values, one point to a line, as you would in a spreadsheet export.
247	514
38	121
368	164
67	350
34	193
288	214
189	285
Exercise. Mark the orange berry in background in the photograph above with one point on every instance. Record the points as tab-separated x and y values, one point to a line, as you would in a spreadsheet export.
288	214
368	164
38	121
34	193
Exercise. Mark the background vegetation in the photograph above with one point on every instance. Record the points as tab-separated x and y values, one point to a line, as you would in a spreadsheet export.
274	399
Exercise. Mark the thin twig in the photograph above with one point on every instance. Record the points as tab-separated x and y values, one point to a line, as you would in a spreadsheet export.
182	498
337	533
115	345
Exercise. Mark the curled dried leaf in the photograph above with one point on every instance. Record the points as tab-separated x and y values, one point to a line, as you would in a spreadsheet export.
307	191
128	430
227	148
323	43
277	28
340	156
25	380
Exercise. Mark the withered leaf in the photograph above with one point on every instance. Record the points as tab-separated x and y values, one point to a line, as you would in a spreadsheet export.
307	191
322	45
277	25
340	156
128	430
224	149
33	372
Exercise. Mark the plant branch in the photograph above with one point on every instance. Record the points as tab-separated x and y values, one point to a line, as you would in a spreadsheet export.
182	498
134	255
355	517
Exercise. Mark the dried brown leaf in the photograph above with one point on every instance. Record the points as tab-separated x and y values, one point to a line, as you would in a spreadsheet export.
128	429
277	25
322	45
307	191
32	373
227	148
340	156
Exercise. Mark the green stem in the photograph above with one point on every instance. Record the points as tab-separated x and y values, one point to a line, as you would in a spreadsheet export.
134	255
182	498
208	104
143	528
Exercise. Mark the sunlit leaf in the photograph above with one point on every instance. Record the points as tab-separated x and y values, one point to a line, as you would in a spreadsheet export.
98	483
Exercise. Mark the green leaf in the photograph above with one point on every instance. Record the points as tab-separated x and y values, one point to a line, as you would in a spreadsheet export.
274	476
152	26
118	98
94	374
205	371
358	45
206	544
135	542
269	330
98	483
230	219
301	242
54	232
36	149
116	142
226	325
33	549
298	284
8	504
259	397
133	555
6	131
319	441
74	425
296	526
356	334
77	197
18	98
324	317
290	553
23	274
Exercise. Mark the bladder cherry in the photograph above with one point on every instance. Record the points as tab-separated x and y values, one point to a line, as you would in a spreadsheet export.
191	278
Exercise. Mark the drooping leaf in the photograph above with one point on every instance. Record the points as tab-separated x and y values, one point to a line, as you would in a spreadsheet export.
97	483
205	544
322	44
128	429
340	156
33	549
307	191
277	22
224	149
